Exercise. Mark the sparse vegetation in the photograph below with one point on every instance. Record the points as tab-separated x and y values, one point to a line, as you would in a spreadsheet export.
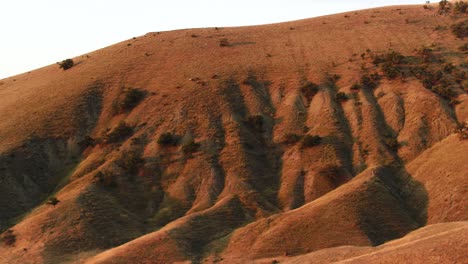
168	139
444	7
355	87
392	143
131	98
310	141
53	201
9	238
460	29
190	147
370	81
341	97
224	43
66	64
119	133
460	7
309	90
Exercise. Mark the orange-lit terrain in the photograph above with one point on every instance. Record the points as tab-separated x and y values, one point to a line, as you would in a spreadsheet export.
333	139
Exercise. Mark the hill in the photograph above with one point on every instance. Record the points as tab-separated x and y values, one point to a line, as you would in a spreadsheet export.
337	138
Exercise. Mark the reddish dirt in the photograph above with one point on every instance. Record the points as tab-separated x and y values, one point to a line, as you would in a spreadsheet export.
386	182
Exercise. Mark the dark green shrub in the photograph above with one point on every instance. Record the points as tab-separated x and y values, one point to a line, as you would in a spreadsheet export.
355	87
66	64
9	238
460	7
391	57
370	81
190	147
390	71
119	133
460	29
341	97
291	138
53	201
132	97
392	143
309	89
310	141
426	54
168	139
444	6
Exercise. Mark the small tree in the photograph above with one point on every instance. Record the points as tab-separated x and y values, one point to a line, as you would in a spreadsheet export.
168	139
66	64
120	132
53	201
132	97
341	97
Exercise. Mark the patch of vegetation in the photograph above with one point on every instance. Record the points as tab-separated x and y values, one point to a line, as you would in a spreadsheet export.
391	57
444	6
190	147
53	201
310	141
341	97
355	87
460	7
9	238
224	43
168	139
370	81
332	79
119	133
390	71
309	90
392	143
426	54
291	138
460	29
131	98
66	64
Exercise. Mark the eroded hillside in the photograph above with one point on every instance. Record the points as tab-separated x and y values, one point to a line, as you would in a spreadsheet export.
320	139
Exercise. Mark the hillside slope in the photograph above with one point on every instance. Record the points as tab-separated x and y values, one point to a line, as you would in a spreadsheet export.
335	133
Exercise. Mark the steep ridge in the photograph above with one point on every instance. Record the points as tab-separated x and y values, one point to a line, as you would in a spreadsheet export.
197	145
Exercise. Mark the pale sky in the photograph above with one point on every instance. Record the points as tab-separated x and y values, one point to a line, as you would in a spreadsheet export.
36	33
